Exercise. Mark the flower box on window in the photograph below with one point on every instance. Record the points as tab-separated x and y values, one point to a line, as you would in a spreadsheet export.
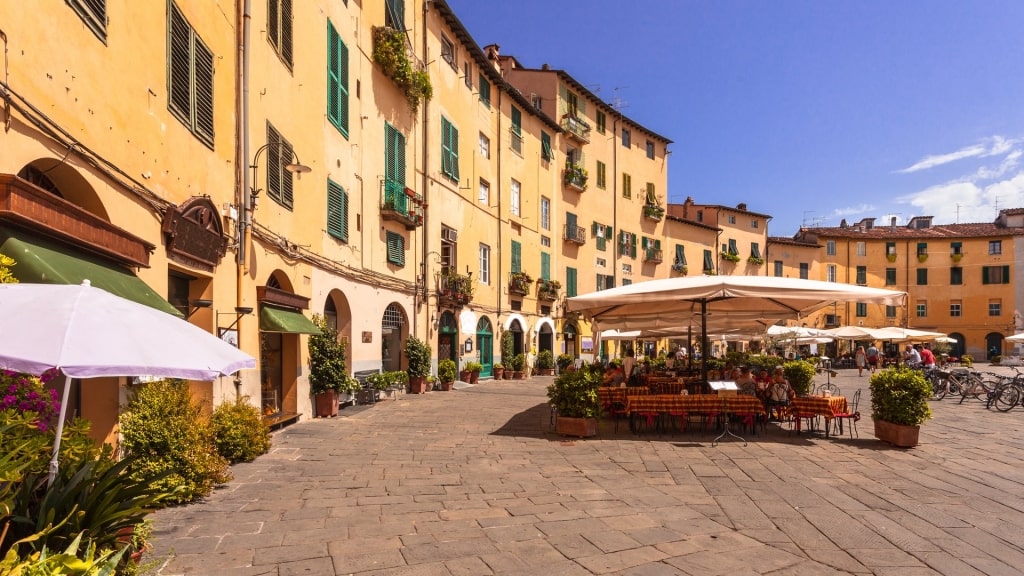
519	283
654	212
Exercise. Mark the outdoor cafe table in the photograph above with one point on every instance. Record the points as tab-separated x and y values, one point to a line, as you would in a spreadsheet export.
692	404
609	395
825	406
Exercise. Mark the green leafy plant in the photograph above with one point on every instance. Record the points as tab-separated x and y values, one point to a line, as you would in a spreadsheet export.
900	396
519	362
472	366
800	375
507	348
6	276
755	260
389	52
654	211
327	364
574	394
446	370
730	256
240	431
545	360
564	361
967	360
418	353
73	561
172	442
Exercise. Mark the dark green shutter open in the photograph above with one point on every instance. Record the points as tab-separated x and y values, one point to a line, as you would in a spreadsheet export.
680	259
632	245
337	211
545	266
545	146
337	80
485	90
709	264
517	121
732	247
396	248
570	282
755	250
517	257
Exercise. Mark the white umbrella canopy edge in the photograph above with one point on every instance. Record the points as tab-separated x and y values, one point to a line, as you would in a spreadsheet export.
1019	337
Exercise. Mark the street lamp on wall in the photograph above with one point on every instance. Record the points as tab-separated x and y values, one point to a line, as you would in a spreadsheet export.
296	167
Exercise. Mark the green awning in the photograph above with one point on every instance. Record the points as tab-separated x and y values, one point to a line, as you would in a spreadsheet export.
43	261
281	320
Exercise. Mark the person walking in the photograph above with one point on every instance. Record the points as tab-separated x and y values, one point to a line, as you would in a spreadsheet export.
860	358
872	353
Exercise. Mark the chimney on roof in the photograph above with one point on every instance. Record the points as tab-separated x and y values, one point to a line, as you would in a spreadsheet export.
545	66
892	224
742	206
492	51
842	223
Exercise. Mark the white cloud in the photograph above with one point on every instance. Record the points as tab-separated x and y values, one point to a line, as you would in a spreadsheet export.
853	210
940	159
1009	163
966	201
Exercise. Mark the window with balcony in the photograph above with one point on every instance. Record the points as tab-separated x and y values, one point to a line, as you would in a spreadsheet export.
394	170
922	249
573	231
190	78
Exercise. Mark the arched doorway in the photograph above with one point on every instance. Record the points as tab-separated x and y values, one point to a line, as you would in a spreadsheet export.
485	345
447	337
546	337
571	340
957	349
282	323
518	341
338	315
993	345
391	338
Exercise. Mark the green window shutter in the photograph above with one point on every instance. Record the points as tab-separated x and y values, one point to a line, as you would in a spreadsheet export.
545	266
396	248
449	150
570	282
922	248
680	259
394	168
545	146
570	221
657	244
632	245
709	264
1006	274
732	247
517	121
956	247
337	211
517	256
337	80
922	276
755	250
984	275
485	90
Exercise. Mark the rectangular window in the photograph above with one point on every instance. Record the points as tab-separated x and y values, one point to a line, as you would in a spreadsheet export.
600	121
605	282
394	14
862	249
94	14
805	270
279	180
467	73
956	248
485	90
732	249
922	309
190	78
545	241
448	52
680	260
709	262
396	248
627	186
890	276
922	276
484	196
890	311
601	234
485	264
995	247
517	131
755	250
337	211
627	244
545	146
570	282
449	250
755	224
890	248
485	146
626	281
922	248
955	309
337	80
956	276
601	175
861	310
830	247
650	150
449	150
995	307
514	200
545	266
545	213
279	28
625	138
537	101
517	257
731	218
830	273
777	268
394	169
862	275
995	274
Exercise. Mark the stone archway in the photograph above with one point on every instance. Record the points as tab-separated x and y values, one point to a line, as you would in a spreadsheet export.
546	336
447	337
571	339
338	314
485	345
392	327
993	345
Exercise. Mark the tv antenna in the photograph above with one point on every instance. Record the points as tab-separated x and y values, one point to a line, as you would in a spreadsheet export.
618	103
803	222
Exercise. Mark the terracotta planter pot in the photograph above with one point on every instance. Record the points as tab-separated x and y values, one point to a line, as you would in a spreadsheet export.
465	375
898	435
546	371
418	385
499	373
447	386
473	377
517	375
326	404
579	427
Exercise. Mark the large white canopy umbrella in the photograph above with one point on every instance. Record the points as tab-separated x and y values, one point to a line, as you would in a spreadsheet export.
1015	338
853	333
899	334
86	332
701	297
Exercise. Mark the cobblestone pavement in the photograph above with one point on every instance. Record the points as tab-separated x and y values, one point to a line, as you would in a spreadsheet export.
475	482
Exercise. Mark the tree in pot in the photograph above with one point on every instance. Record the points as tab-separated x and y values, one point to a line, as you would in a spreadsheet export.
899	405
474	369
418	353
446	373
327	369
573	396
518	364
507	352
499	371
564	361
800	376
545	363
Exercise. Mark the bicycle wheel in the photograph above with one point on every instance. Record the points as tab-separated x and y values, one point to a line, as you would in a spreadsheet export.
1007	397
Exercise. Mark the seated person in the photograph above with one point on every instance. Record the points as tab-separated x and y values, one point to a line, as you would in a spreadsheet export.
763	379
745	382
614	376
779	391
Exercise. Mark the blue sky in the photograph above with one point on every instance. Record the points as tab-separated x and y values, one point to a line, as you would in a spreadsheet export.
810	111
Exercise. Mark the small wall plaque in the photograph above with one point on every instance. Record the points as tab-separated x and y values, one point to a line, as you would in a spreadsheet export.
367	337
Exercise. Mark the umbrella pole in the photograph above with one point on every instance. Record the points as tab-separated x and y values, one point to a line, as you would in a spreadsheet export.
60	432
703	340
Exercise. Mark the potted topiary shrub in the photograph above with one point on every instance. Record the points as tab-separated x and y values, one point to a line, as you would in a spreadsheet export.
800	375
545	363
899	405
573	395
499	371
564	361
418	353
474	369
327	370
518	365
507	352
446	373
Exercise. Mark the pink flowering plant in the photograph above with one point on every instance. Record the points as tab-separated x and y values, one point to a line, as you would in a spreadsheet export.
24	393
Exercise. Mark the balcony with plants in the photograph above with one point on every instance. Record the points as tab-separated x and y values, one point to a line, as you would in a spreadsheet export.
548	289
455	289
575	176
681	268
401	204
653	211
653	255
519	283
391	53
576	128
730	256
755	260
577	234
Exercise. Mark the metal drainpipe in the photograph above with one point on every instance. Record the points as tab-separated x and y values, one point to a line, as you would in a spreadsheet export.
422	292
241	157
500	250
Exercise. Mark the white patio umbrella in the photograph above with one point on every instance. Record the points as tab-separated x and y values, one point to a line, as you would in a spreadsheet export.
86	332
948	340
896	333
853	333
698	298
1015	338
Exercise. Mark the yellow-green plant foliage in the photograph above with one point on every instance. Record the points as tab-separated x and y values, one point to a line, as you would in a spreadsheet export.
240	432
6	276
165	429
72	561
